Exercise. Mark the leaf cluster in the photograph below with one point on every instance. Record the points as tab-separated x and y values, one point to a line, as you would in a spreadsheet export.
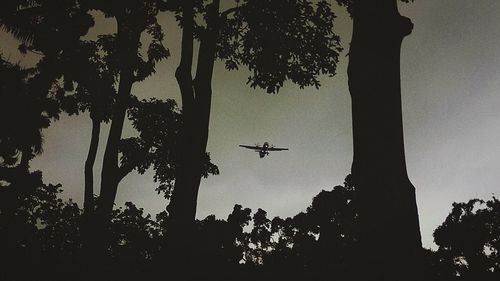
87	67
158	124
279	41
38	24
133	17
25	111
469	240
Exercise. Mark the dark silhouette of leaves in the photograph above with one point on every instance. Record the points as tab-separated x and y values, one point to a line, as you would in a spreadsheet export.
468	240
279	41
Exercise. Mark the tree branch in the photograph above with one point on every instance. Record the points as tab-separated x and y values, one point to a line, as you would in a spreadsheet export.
183	72
166	5
124	170
229	11
206	57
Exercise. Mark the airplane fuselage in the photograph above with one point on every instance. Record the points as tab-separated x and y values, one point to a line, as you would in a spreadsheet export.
265	150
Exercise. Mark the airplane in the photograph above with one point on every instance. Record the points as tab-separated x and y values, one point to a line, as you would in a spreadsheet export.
264	149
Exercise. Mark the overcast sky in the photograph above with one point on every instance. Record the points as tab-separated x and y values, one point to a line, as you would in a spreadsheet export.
451	106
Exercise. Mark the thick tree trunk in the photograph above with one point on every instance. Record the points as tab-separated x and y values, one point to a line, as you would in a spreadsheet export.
196	103
194	138
390	241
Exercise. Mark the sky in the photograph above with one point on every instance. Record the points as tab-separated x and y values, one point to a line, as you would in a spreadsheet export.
450	70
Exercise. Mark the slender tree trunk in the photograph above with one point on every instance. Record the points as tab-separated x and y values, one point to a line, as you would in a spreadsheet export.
196	103
181	209
89	166
112	173
88	204
390	241
26	156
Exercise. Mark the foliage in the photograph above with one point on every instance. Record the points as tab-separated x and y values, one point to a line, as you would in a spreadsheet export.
279	41
158	124
40	23
469	240
37	229
87	67
133	17
96	65
29	96
132	234
25	111
43	231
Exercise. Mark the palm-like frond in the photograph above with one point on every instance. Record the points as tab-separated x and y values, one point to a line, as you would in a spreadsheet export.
21	21
21	31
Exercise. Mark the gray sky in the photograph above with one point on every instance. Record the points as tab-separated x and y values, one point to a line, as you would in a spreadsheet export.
450	80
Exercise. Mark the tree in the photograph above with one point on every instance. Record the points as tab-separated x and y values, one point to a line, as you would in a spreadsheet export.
132	242
312	245
26	109
277	40
37	24
21	140
83	76
158	124
41	233
88	68
469	241
386	197
123	57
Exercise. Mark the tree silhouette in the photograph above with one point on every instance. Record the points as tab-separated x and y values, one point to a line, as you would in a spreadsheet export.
28	106
123	57
41	233
33	22
468	241
386	197
276	40
133	241
370	232
313	245
158	123
37	24
94	93
25	111
22	140
82	75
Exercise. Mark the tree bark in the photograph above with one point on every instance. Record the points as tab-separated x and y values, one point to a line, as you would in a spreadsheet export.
390	242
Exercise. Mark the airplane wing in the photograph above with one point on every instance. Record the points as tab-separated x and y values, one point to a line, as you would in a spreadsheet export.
251	147
276	149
